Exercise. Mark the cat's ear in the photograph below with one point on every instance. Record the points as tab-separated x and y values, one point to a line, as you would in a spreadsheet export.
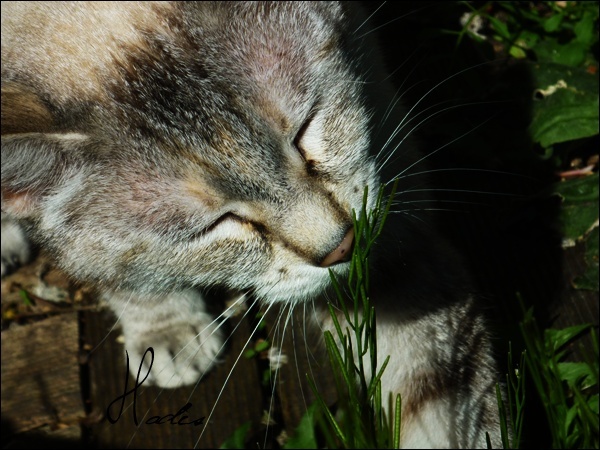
36	157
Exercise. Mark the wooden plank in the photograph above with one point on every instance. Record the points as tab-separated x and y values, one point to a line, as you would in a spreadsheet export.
579	305
40	374
239	402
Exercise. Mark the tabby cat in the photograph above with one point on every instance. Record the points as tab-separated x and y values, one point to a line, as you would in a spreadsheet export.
158	148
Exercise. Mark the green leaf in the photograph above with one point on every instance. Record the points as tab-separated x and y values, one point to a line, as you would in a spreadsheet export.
579	210
261	346
569	417
579	189
330	419
261	323
236	440
304	435
528	39
25	297
517	52
503	420
500	27
555	339
553	23
571	54
565	106
593	403
266	377
573	373
584	29
397	421
336	359
376	380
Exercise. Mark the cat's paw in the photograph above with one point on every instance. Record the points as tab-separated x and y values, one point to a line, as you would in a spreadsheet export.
183	352
15	246
185	339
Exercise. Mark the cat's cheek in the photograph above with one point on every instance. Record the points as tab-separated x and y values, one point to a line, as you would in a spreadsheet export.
232	255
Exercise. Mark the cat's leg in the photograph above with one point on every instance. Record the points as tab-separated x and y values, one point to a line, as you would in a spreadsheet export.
15	245
185	338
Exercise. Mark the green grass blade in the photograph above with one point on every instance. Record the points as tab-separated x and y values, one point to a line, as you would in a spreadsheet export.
503	422
397	421
375	380
330	419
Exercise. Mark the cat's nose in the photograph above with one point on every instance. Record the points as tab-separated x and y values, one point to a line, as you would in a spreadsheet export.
342	253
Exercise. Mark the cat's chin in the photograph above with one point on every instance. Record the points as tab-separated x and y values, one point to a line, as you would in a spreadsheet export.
299	285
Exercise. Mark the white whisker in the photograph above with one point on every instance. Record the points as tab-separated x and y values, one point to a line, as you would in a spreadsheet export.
437	200
272	399
437	150
506	194
112	328
392	21
466	169
425	209
224	316
367	19
229	376
417	126
296	354
162	390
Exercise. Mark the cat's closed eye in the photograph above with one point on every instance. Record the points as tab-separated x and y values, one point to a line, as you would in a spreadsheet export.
305	141
222	220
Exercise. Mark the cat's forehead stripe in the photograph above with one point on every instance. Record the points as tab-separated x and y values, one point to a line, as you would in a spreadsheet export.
201	190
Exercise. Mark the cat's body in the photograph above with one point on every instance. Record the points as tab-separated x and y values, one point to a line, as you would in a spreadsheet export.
156	148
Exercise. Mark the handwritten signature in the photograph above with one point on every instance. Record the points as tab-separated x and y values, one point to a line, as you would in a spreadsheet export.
155	420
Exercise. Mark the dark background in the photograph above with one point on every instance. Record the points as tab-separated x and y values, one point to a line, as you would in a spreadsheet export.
508	228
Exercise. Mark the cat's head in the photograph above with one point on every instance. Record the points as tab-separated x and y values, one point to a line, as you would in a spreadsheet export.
155	147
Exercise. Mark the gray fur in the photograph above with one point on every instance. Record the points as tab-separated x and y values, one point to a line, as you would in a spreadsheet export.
158	148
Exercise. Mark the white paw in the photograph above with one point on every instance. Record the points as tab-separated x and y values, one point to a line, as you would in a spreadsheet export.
15	247
185	339
183	353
